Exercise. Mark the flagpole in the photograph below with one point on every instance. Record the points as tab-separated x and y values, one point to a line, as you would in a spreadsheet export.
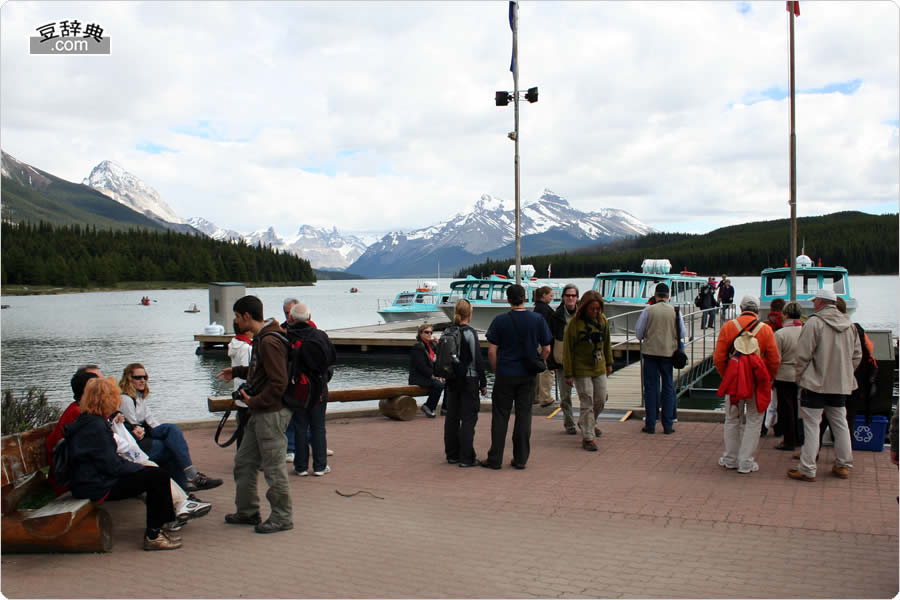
793	200
515	34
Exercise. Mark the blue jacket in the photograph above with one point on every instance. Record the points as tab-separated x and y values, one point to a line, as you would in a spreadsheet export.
93	461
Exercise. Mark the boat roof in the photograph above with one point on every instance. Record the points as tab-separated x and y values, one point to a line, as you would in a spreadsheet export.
835	269
654	276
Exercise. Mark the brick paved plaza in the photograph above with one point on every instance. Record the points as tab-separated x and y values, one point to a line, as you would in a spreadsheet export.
646	516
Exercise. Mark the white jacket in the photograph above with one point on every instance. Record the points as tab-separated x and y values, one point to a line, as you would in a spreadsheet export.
136	411
239	353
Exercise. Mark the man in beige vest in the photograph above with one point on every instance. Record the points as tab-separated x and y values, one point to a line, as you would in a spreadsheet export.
656	328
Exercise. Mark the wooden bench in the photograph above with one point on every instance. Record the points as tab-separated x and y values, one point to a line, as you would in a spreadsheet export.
395	402
66	524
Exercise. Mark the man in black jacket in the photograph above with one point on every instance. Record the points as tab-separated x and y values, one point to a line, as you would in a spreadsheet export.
558	321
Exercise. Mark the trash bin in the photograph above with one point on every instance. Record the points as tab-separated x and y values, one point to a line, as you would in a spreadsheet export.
869	436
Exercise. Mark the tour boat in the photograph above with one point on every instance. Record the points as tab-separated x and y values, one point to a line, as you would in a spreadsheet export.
625	292
421	303
488	295
776	283
192	309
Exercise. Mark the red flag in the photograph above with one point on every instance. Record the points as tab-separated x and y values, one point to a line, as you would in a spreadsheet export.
796	7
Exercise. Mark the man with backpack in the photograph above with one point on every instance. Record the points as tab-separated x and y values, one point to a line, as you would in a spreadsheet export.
264	443
828	352
311	357
745	356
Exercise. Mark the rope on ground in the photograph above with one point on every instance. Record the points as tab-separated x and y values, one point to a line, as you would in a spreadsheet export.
340	493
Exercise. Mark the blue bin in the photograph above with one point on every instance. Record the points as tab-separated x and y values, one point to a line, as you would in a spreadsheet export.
869	437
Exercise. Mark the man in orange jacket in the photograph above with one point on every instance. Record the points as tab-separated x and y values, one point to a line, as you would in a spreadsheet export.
742	439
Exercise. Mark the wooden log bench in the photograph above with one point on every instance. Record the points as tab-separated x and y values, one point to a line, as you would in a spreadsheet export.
65	524
394	402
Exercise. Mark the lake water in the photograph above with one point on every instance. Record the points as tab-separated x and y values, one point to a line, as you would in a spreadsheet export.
43	339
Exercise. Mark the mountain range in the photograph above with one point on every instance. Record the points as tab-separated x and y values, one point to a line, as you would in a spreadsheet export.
110	194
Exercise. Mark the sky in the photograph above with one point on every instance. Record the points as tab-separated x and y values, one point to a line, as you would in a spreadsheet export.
380	116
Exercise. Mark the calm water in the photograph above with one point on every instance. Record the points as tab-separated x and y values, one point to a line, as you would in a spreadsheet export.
43	339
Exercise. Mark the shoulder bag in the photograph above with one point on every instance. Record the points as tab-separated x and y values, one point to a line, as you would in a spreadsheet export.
679	358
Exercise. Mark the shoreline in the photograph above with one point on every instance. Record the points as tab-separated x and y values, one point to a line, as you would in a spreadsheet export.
129	286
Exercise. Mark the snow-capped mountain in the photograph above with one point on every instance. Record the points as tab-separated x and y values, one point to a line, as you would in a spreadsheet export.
323	248
123	187
548	224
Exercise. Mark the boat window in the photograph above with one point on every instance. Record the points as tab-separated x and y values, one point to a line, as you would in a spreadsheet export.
604	286
810	283
678	290
404	299
499	293
627	288
835	282
481	291
649	288
776	285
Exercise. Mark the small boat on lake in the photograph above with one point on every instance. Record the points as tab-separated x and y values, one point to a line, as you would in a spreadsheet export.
488	295
192	309
625	291
422	303
354	290
776	283
145	301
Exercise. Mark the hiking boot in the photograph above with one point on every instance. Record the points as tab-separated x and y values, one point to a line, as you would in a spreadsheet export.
270	527
202	482
589	445
841	471
795	474
428	412
161	542
239	519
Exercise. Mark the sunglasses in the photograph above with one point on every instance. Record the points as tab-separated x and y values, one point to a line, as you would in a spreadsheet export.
140	377
428	331
570	295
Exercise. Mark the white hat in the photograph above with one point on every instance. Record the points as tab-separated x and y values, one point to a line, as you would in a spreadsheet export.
826	295
750	303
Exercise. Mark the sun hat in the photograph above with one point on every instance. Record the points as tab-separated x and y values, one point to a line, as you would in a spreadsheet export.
826	295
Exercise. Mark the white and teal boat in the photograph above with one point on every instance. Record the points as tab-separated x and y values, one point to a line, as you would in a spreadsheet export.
776	283
419	304
625	292
488	294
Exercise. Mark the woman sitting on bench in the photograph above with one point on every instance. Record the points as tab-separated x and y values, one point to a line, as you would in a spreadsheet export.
98	473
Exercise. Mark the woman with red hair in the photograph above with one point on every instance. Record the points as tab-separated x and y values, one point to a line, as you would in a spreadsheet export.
99	473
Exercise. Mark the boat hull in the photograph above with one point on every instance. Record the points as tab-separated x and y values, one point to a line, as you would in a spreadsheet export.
434	315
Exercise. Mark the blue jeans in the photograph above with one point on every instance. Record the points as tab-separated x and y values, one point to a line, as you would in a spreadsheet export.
656	369
290	432
309	429
171	451
709	319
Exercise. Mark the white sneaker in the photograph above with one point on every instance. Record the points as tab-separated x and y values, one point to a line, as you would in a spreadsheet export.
722	463
192	510
329	452
301	473
289	457
320	473
752	468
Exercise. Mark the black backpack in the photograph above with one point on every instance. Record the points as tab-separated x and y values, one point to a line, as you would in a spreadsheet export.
61	472
447	356
311	357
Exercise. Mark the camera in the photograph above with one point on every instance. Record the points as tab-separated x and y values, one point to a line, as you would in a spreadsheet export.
236	394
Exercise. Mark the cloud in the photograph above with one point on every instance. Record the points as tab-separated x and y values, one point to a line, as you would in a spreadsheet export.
377	116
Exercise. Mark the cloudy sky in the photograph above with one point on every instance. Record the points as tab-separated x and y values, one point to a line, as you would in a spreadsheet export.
378	116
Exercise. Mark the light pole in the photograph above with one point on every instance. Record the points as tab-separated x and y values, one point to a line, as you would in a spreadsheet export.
502	99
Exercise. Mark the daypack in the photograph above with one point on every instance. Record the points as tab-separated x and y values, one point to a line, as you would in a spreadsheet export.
866	374
447	355
61	473
746	342
311	357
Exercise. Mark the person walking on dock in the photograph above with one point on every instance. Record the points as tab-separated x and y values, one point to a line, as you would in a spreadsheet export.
264	444
742	438
558	321
517	339
588	360
828	352
659	336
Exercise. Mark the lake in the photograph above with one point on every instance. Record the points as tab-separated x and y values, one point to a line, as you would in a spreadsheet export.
43	339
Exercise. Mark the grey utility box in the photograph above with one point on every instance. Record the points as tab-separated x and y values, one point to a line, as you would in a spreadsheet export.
222	296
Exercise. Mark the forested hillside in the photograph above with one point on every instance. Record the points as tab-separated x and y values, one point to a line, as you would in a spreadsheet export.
863	243
79	256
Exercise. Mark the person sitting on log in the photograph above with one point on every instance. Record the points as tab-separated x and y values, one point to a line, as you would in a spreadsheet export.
163	442
79	379
421	369
98	473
